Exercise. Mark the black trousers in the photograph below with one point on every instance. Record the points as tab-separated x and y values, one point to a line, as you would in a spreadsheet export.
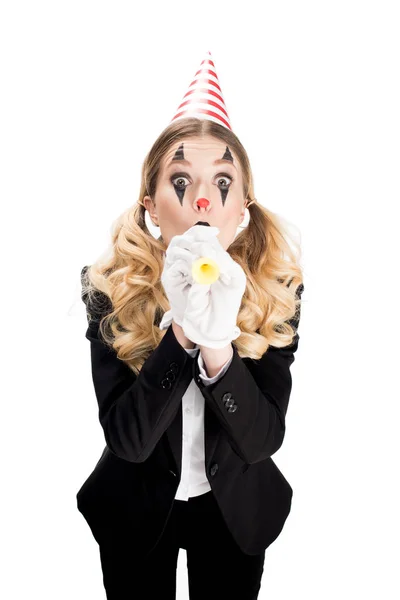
217	568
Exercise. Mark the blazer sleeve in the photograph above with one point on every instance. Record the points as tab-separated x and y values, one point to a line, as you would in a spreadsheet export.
135	410
251	398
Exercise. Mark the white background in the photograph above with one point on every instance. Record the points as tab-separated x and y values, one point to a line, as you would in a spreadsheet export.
312	91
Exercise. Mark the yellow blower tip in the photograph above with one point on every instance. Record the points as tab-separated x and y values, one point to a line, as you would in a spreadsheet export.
205	270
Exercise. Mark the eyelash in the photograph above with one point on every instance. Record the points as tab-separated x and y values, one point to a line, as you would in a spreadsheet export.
176	175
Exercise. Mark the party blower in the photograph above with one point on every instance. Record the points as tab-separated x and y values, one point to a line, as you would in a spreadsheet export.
204	269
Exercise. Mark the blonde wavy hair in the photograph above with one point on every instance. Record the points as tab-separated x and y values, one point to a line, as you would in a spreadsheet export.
125	299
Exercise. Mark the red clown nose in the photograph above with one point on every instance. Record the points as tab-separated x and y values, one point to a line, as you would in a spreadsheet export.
203	202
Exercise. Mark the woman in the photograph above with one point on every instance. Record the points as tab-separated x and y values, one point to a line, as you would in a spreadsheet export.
191	415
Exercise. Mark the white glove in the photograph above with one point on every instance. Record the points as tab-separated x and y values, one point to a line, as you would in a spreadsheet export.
211	310
177	273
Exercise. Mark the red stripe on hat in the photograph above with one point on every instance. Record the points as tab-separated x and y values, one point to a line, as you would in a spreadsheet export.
206	72
204	101
204	80
203	111
208	61
205	91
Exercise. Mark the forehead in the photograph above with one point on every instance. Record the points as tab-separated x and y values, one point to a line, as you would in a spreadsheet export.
204	150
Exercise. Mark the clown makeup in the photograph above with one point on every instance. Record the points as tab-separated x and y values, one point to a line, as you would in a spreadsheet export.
200	179
180	157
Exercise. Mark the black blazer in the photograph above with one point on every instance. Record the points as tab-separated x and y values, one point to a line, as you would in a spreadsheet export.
130	492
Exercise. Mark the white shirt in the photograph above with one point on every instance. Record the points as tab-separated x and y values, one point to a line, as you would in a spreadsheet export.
194	481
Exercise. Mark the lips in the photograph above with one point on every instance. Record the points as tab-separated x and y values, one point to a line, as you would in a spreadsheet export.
203	223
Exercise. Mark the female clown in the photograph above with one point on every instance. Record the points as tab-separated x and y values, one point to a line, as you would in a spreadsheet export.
192	335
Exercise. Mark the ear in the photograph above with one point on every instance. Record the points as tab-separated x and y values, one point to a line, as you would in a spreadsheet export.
148	203
242	214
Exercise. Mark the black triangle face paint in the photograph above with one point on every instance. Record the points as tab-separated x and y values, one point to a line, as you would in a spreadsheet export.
224	191
179	153
180	192
228	155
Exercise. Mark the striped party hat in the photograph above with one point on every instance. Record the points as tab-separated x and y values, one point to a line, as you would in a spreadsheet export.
204	97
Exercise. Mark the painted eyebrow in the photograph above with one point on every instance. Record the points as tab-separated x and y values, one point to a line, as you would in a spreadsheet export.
186	162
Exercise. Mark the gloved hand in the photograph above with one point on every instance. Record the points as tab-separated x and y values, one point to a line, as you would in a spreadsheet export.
177	273
211	310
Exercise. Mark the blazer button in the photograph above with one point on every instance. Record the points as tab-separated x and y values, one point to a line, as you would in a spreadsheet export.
170	375
174	367
233	408
174	474
214	469
227	397
166	384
